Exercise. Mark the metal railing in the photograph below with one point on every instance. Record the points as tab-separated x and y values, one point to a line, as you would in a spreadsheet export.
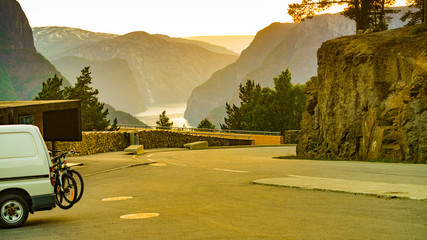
205	130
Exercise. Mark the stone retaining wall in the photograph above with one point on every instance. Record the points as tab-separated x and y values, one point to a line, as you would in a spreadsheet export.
95	142
100	142
174	139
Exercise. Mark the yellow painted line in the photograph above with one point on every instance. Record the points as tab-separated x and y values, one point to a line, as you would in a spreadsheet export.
178	164
117	198
139	215
229	170
157	164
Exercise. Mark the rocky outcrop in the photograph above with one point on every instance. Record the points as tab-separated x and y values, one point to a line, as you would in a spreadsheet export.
15	32
369	99
22	70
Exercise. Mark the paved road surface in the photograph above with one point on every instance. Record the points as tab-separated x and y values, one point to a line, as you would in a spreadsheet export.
209	194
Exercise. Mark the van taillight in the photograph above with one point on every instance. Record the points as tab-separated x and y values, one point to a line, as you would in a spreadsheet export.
51	176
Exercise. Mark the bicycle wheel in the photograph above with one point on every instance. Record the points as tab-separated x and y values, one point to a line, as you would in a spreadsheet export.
65	196
80	184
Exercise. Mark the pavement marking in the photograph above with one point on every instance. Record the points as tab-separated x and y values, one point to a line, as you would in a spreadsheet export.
157	164
229	170
394	190
74	164
148	159
149	155
177	164
116	198
139	215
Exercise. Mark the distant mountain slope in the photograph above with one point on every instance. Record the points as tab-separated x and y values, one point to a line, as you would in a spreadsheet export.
122	117
166	71
275	48
222	84
22	70
53	41
203	44
113	78
237	43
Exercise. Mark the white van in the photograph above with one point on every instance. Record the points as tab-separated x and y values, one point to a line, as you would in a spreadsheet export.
26	183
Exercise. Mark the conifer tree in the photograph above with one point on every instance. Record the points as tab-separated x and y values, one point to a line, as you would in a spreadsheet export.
51	89
235	119
92	111
114	126
265	109
206	124
163	121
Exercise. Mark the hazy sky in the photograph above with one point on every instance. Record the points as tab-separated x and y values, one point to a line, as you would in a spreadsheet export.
176	18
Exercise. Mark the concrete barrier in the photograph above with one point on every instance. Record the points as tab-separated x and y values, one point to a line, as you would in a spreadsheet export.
135	149
196	145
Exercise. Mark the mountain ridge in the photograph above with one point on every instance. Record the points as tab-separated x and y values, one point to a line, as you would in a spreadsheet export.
166	70
294	49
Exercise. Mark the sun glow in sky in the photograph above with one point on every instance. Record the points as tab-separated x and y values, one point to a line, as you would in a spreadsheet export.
176	18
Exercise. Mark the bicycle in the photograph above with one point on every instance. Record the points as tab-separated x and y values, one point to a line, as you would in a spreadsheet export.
60	164
65	188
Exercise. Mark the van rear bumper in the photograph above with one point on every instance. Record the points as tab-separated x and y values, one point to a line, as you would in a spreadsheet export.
43	202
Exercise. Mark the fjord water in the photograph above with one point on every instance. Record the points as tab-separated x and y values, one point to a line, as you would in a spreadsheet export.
175	112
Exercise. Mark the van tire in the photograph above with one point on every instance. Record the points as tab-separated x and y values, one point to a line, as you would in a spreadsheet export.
13	210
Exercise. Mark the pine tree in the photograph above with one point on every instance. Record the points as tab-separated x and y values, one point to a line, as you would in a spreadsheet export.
92	111
114	126
206	124
51	89
163	121
235	119
265	109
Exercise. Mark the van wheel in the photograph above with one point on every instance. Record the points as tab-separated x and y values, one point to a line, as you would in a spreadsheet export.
13	211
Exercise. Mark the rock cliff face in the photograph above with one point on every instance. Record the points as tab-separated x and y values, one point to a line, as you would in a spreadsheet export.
22	70
15	32
369	99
